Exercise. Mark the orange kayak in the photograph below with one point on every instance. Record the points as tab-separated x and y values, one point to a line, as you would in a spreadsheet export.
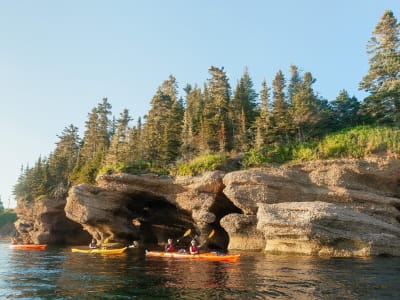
28	246
201	256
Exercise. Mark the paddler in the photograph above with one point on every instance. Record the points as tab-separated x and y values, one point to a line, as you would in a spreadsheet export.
193	249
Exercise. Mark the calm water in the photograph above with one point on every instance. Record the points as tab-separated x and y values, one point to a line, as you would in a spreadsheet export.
57	273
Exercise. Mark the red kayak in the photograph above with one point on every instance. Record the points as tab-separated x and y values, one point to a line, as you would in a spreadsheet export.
28	246
201	256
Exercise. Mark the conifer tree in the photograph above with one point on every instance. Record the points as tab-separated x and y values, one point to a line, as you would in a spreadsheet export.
95	143
118	152
243	111
345	110
217	111
383	78
191	122
1	206
62	161
280	107
262	122
161	133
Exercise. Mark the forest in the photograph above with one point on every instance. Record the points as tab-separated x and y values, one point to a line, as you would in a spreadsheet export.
216	126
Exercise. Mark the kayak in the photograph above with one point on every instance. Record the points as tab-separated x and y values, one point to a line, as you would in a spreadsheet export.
28	246
101	251
201	256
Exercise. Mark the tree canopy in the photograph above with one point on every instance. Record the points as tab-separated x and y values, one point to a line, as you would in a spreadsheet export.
211	119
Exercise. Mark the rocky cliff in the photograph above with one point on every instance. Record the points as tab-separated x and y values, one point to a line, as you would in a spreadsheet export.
45	222
336	208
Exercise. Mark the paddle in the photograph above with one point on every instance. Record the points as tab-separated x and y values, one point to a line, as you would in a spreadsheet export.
210	235
187	232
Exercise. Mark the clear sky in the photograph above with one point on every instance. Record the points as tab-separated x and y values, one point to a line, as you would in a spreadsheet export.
58	59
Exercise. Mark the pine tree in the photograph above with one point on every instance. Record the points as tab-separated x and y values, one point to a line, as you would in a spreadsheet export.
118	152
383	78
345	110
95	143
161	133
191	122
243	112
216	112
62	161
280	107
1	206
262	122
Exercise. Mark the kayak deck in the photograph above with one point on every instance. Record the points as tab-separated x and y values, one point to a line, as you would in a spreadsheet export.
28	246
99	250
201	256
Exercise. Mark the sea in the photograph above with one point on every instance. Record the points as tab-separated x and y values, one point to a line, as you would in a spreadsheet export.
57	273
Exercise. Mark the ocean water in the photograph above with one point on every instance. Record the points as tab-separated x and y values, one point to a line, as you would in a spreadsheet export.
57	273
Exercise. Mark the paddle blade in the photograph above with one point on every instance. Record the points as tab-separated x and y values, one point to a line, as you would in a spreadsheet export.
211	234
187	232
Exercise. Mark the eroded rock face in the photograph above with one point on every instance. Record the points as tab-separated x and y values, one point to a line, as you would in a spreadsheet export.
125	208
44	222
336	208
318	208
320	228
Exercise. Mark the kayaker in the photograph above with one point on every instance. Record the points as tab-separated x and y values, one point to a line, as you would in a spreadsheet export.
193	249
93	244
170	246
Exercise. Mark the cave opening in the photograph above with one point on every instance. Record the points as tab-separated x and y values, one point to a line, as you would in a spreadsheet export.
155	219
221	207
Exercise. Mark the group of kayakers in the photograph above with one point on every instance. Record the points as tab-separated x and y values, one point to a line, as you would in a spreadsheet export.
170	246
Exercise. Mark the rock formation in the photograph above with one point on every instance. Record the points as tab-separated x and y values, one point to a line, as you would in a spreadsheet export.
334	207
44	222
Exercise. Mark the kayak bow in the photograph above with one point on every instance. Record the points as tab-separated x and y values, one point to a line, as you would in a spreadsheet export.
201	256
101	251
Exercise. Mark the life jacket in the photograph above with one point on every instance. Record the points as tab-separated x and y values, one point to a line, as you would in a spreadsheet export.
194	249
169	248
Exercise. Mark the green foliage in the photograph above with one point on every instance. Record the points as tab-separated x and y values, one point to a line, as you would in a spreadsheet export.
359	142
356	142
294	124
7	216
209	162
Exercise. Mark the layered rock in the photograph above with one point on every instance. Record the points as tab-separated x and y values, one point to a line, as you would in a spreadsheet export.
335	208
150	208
45	222
338	208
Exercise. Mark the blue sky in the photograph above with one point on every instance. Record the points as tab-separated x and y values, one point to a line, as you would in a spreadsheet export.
58	59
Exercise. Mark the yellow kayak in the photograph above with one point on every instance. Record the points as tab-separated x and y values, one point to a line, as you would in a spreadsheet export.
101	251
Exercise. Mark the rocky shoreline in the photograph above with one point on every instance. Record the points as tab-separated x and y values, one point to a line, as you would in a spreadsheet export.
338	208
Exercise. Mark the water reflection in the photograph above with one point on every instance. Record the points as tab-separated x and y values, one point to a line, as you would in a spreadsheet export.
59	274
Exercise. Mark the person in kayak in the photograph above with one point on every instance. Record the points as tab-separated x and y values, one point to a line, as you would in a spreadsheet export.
193	249
93	244
170	246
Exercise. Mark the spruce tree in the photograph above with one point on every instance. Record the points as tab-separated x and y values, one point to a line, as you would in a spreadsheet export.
383	78
280	107
345	110
262	123
62	161
118	152
243	112
216	122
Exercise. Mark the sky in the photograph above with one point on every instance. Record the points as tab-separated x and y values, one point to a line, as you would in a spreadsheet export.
59	59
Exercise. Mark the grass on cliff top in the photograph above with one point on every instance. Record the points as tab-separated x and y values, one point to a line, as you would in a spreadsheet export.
356	142
201	164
